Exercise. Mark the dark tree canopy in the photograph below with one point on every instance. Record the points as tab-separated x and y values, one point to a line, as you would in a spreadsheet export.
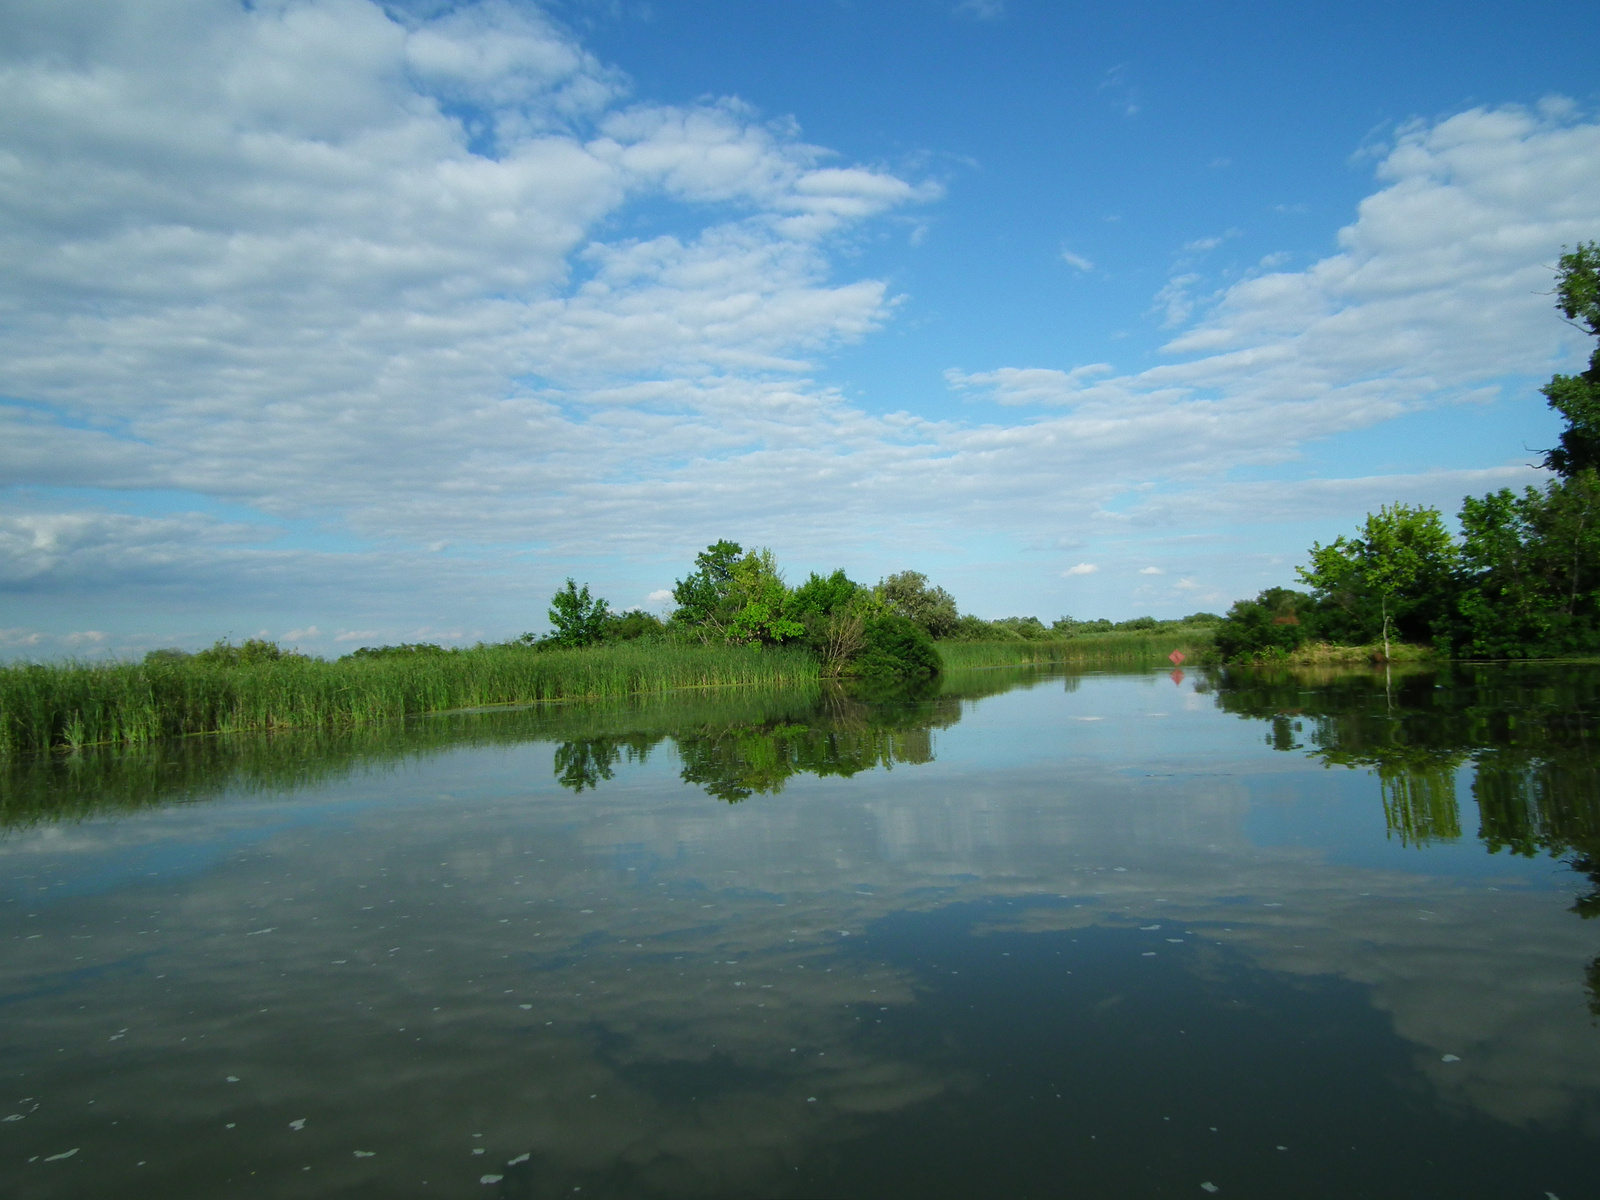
1577	397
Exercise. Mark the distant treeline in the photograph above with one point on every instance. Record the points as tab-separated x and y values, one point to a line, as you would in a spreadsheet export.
736	623
1521	581
736	596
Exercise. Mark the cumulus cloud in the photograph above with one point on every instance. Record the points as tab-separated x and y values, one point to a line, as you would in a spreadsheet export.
1151	571
1076	260
354	273
1083	568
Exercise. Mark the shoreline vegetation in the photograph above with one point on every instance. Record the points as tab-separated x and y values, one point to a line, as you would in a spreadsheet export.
737	624
73	706
1521	579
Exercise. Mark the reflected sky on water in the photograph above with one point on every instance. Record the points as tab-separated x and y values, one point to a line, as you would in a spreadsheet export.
1020	935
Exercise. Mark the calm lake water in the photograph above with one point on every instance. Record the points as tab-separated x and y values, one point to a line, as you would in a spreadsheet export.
1032	935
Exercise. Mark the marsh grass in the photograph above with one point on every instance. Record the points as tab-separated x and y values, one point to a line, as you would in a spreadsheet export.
75	705
1086	650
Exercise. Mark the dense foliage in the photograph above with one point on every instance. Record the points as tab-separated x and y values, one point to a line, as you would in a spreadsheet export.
739	596
1522	579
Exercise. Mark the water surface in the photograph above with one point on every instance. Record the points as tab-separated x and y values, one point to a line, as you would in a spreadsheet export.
1028	935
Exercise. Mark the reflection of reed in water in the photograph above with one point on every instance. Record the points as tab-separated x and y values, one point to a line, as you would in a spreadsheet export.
97	780
1419	800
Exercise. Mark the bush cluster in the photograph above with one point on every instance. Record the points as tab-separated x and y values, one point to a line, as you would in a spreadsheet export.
1522	578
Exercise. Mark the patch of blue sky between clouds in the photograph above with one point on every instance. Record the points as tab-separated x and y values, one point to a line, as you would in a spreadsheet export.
656	357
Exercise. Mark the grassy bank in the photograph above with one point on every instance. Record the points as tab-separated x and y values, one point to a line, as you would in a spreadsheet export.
44	706
1318	654
1086	650
74	705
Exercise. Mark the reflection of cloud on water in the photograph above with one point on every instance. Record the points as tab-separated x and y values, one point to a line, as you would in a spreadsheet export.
327	956
680	958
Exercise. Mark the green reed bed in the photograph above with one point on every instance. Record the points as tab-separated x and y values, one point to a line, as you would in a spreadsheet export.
36	787
75	704
1087	650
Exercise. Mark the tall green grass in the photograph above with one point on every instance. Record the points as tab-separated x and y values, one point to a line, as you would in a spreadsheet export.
75	705
45	706
1087	650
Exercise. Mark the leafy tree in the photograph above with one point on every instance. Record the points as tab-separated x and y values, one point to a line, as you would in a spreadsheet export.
824	596
1277	622
578	619
834	611
631	626
1029	629
736	595
1534	570
704	597
908	595
1404	560
1577	397
249	653
760	601
404	650
896	646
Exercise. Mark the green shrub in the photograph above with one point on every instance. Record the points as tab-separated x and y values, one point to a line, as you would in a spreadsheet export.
1275	624
895	646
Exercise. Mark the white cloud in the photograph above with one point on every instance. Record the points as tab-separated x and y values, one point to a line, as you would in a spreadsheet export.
1083	568
1151	571
254	257
659	596
980	10
1175	300
357	635
309	634
1076	260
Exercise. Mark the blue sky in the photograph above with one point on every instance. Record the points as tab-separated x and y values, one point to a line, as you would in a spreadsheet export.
349	323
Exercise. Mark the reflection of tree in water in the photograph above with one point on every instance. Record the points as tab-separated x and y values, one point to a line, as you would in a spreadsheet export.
584	763
843	734
1531	733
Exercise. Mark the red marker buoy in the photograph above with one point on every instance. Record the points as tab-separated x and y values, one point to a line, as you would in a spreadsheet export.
1176	657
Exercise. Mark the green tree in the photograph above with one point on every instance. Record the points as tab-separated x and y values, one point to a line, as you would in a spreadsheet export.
578	619
908	595
737	596
834	610
895	647
1533	565
1404	559
1274	624
760	602
824	596
249	653
704	597
1577	397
